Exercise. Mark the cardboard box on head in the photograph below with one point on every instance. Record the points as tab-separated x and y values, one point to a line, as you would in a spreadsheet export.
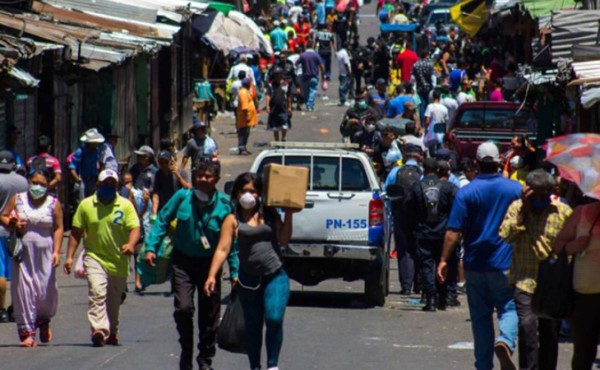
285	186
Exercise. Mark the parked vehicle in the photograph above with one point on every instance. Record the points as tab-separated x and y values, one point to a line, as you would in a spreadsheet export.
344	231
478	122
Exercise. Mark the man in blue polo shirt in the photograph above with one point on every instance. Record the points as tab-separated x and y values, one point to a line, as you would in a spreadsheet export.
476	215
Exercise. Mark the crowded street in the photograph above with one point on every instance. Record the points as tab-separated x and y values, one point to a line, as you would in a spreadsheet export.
447	187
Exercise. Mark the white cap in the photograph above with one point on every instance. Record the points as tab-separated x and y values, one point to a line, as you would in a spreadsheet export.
516	162
145	150
489	151
276	24
108	173
92	136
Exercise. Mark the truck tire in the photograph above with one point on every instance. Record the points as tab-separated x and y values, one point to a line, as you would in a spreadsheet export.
377	284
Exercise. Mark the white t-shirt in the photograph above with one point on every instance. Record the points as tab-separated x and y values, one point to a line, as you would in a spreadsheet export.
234	91
236	69
452	106
463	97
438	112
344	62
294	13
412	139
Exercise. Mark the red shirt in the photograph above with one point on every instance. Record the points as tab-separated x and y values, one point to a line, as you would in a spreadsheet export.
406	60
52	164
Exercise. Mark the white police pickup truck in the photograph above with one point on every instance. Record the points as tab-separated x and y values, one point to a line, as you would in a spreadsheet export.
344	230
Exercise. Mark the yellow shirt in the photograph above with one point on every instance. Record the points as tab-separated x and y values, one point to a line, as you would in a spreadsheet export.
532	241
107	228
519	175
246	111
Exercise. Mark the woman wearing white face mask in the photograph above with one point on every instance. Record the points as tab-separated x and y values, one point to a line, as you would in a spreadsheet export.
263	283
37	218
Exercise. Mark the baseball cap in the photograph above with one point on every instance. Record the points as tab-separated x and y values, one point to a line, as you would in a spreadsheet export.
413	149
276	24
165	154
108	173
380	81
92	136
488	152
145	150
442	153
7	160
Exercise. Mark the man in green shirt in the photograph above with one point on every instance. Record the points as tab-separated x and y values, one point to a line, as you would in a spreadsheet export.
200	213
112	229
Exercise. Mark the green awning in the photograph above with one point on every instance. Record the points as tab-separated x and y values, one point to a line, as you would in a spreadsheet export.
224	8
539	8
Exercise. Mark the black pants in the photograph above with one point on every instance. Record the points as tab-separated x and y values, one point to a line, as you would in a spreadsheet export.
358	76
538	338
585	327
243	133
190	273
429	252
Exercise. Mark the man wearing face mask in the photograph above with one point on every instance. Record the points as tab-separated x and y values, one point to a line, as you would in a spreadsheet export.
112	229
354	118
531	224
368	138
200	213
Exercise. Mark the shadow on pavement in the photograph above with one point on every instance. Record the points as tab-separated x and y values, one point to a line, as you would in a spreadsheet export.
328	300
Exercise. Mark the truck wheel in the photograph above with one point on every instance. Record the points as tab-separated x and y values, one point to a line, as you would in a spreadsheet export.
376	284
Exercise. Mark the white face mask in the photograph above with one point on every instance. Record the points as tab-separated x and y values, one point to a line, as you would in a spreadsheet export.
247	201
370	128
37	191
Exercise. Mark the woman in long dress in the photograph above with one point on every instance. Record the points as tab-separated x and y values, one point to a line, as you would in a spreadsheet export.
36	217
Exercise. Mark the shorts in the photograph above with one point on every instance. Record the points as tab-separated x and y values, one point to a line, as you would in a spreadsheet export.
5	260
278	122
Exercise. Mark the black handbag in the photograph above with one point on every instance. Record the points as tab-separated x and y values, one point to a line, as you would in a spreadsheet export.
231	335
553	297
554	294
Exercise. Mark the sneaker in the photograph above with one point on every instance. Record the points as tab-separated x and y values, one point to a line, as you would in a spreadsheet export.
98	339
4	316
45	333
504	355
28	342
112	340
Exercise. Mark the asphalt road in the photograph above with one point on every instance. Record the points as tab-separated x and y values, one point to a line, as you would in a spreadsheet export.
326	327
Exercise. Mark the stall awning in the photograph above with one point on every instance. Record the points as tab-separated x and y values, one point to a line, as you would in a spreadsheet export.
586	72
539	8
571	27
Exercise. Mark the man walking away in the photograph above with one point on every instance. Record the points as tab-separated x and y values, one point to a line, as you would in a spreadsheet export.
430	201
112	229
326	46
532	223
200	213
345	69
11	183
200	145
246	115
312	67
476	215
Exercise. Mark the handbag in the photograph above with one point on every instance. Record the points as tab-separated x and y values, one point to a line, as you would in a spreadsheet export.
15	247
231	335
554	294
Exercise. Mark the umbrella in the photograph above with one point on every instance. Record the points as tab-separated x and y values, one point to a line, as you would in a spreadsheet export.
342	5
577	157
243	19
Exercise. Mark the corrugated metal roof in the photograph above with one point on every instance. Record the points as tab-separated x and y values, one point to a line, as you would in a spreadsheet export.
573	26
499	5
587	70
23	77
113	8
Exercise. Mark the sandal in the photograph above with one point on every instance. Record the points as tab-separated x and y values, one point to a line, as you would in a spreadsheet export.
28	342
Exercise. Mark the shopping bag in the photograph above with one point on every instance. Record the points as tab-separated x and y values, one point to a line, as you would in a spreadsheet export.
325	85
553	297
78	267
231	335
15	247
163	269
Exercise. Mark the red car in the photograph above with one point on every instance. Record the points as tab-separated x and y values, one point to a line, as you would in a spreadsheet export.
475	123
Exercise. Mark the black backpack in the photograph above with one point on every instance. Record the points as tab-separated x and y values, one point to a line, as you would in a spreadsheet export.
430	193
405	178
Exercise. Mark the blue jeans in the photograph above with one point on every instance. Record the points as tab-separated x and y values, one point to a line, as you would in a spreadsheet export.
326	58
266	304
486	291
310	87
344	88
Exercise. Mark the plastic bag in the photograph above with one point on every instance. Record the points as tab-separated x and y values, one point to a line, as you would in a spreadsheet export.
324	85
163	269
231	335
78	267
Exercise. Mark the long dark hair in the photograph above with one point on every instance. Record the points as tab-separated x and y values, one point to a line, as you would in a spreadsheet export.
268	213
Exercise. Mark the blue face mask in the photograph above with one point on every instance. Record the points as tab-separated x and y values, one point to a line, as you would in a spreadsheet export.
538	204
362	104
106	193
